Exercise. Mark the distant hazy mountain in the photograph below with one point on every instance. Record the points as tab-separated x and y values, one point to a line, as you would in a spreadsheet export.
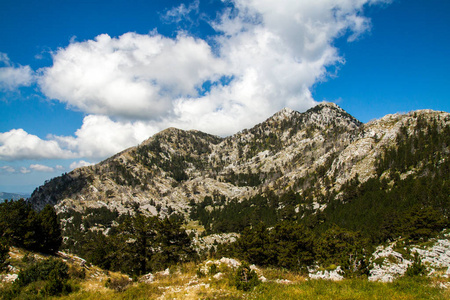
13	196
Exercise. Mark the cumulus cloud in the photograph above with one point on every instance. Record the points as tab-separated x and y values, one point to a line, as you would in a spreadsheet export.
266	55
275	51
41	168
79	164
12	170
12	77
100	137
132	76
17	144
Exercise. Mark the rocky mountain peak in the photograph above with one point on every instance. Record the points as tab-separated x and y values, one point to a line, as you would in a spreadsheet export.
324	147
328	113
284	114
329	104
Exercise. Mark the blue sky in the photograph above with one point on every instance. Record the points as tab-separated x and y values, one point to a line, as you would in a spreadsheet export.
82	80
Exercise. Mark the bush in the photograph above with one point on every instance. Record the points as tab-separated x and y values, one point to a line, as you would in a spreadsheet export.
341	247
213	269
417	268
55	285
119	284
200	273
51	271
4	255
77	272
245	278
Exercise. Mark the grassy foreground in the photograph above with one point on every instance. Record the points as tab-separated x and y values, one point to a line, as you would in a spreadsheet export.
186	284
316	289
217	280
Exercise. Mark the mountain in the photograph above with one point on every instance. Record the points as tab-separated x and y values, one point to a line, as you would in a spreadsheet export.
308	191
321	149
12	196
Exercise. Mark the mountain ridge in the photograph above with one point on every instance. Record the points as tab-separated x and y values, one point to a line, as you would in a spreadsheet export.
12	196
322	148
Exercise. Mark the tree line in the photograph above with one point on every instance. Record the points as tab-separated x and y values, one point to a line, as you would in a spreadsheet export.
22	226
135	244
288	231
292	245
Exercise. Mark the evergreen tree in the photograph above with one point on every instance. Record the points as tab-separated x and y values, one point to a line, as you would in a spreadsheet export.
345	248
422	222
253	244
292	245
50	231
174	244
17	222
4	254
137	237
100	250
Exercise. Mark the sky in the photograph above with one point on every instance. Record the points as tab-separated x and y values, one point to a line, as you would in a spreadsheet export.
82	80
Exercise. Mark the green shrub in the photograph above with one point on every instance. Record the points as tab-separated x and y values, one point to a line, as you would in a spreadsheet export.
119	284
77	272
213	269
417	268
55	285
4	255
200	273
51	272
245	278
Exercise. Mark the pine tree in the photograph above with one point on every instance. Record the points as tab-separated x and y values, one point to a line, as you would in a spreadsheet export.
344	248
50	231
174	243
4	254
292	245
138	235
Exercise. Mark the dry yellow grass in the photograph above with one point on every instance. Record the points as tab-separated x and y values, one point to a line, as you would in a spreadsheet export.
185	282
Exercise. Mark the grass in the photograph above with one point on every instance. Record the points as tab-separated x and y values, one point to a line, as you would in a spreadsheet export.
195	225
308	289
351	289
183	283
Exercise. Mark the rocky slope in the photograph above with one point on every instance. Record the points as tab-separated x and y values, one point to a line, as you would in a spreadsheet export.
321	148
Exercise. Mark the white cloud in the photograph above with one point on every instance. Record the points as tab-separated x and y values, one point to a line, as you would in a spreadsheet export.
24	170
12	77
4	59
275	52
41	168
100	137
267	55
7	169
181	12
133	76
79	164
11	170
17	144
270	52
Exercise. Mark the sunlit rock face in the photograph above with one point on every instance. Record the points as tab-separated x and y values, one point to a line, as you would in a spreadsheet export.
322	148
